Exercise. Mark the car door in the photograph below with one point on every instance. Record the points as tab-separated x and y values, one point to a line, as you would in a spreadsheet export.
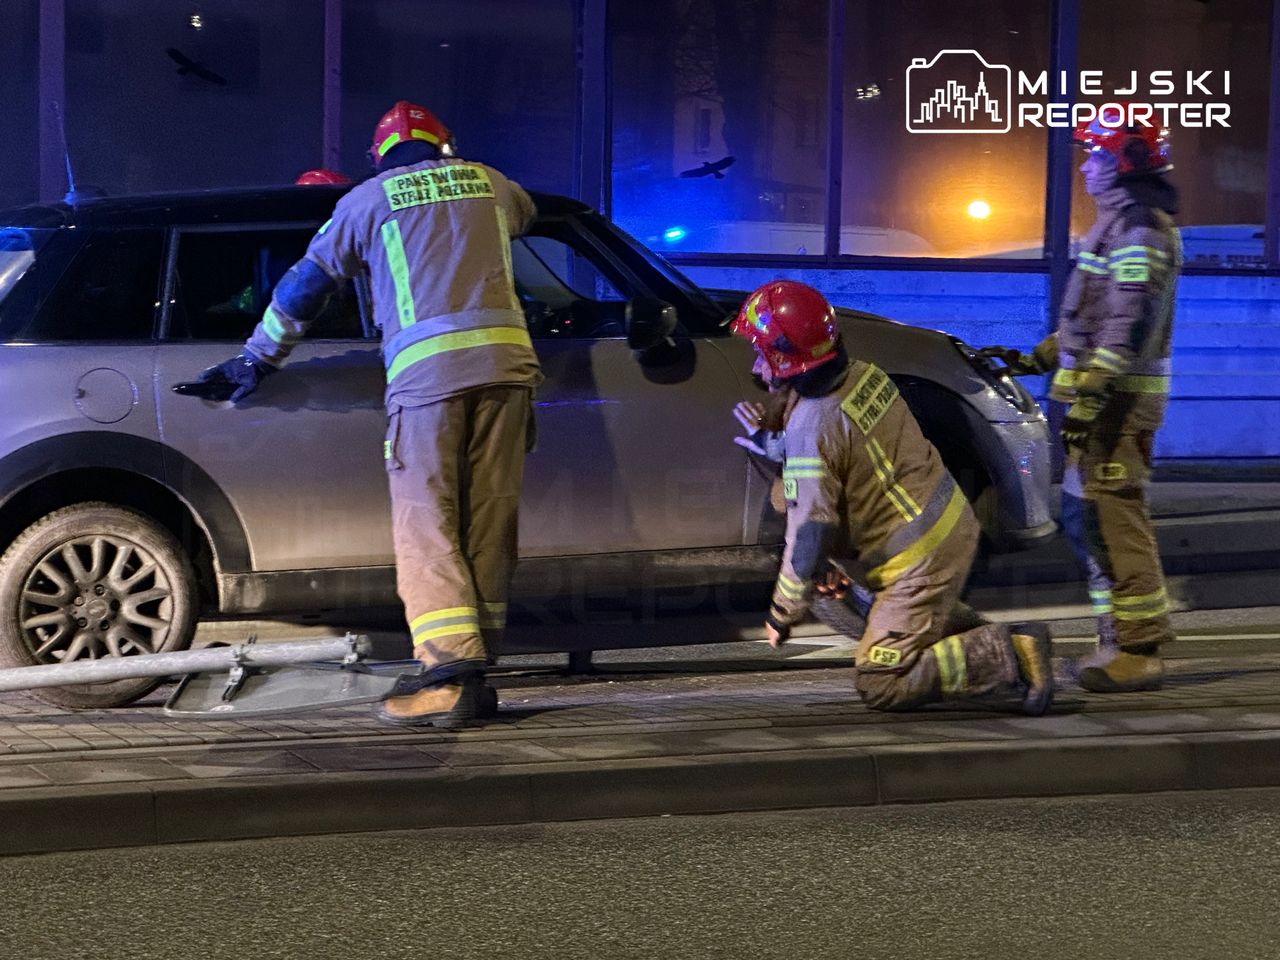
77	335
301	460
635	451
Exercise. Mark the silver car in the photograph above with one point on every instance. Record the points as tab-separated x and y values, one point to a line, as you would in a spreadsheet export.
126	511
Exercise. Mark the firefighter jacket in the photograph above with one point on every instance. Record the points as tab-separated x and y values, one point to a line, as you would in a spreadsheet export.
1115	330
859	478
435	239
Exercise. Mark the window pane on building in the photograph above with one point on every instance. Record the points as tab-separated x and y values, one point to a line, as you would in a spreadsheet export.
500	74
164	96
19	128
941	194
720	124
1221	173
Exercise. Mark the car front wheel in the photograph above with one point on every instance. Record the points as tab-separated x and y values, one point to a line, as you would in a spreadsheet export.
91	581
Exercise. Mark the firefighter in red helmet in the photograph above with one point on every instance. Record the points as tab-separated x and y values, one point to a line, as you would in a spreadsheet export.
323	177
434	234
1111	361
865	489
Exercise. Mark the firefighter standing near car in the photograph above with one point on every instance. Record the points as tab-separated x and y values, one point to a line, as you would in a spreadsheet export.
1111	356
860	479
433	233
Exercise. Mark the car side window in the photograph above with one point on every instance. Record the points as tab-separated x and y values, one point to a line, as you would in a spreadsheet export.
224	281
108	291
567	288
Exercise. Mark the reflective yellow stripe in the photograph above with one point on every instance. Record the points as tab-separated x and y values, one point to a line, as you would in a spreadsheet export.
1131	383
449	613
810	468
791	589
1142	607
462	340
1109	359
1128	616
897	565
952	668
1091	263
393	243
1138	249
451	630
505	231
1101	600
387	144
1064	378
1145	599
896	493
274	329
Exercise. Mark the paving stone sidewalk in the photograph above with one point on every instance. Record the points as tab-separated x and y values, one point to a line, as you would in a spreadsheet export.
636	742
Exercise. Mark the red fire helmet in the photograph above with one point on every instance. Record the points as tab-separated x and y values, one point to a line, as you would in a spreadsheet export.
404	122
791	324
1136	147
323	177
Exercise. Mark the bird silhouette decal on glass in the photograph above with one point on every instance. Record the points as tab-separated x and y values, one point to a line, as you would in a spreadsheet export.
709	169
187	66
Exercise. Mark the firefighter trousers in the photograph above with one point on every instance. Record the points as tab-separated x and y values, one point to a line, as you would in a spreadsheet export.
906	657
455	468
1105	515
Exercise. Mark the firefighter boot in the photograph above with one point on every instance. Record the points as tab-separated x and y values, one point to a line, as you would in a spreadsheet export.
1108	647
448	697
1035	663
1126	672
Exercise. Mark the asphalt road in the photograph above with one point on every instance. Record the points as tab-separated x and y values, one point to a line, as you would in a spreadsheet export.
1179	876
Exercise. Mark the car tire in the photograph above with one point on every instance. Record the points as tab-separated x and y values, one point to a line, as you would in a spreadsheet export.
846	616
90	581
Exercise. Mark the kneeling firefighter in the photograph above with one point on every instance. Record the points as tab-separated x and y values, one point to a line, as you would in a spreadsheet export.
1111	357
860	480
433	233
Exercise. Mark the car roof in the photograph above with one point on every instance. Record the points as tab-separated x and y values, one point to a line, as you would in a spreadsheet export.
247	205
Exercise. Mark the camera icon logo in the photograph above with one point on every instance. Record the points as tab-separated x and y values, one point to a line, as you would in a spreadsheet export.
958	91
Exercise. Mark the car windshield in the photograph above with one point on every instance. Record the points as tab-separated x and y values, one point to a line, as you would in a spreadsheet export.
18	249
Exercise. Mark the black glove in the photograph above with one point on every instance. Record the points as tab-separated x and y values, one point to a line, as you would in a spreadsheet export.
1019	364
232	380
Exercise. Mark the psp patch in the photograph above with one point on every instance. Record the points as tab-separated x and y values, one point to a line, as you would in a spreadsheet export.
885	656
1110	472
790	489
870	399
1132	273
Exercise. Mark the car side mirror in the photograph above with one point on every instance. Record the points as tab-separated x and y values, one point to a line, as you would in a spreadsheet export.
649	322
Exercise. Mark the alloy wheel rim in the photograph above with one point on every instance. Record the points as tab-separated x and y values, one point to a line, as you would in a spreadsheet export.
94	597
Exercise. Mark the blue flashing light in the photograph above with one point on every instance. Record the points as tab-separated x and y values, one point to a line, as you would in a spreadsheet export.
674	234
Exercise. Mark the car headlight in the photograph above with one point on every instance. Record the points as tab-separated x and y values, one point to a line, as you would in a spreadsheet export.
997	377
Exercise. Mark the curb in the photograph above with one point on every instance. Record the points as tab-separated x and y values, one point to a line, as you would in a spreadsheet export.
134	814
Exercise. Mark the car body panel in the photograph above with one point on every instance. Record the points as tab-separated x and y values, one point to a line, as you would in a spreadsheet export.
635	474
630	456
301	459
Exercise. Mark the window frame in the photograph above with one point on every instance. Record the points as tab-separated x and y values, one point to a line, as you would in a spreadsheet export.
1064	37
76	239
173	243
